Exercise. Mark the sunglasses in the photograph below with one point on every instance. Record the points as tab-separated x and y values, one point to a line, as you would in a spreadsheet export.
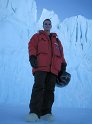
47	24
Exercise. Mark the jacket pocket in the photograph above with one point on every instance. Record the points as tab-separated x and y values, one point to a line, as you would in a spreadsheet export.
42	46
43	60
57	63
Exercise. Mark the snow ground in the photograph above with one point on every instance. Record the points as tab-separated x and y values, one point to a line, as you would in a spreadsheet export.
15	114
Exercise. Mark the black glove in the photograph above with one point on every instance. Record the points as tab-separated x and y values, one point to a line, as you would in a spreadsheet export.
33	61
63	69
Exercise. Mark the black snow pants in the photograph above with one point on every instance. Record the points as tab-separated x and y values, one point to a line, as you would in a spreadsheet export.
42	96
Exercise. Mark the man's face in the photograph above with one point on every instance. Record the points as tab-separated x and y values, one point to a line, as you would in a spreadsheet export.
47	25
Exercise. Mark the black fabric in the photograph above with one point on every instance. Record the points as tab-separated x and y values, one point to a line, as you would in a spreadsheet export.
42	96
50	35
63	69
33	61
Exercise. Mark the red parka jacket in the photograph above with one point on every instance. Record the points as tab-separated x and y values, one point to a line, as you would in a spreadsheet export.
49	52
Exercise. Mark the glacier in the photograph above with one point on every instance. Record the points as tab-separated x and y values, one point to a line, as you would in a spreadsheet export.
18	22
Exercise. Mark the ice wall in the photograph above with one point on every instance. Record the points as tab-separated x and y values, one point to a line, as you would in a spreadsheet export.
17	24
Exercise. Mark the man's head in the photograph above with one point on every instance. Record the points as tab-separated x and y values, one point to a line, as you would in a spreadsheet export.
47	24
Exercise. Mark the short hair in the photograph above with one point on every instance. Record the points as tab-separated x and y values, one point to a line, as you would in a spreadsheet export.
46	20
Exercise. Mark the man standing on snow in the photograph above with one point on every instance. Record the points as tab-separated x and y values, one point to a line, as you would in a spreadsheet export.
47	60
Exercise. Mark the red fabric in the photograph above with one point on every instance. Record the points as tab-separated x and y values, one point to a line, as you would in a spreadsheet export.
49	57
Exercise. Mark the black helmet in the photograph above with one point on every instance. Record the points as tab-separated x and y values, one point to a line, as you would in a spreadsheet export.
63	80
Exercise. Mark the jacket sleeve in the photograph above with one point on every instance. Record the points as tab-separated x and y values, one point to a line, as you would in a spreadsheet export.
62	53
32	45
63	58
63	63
